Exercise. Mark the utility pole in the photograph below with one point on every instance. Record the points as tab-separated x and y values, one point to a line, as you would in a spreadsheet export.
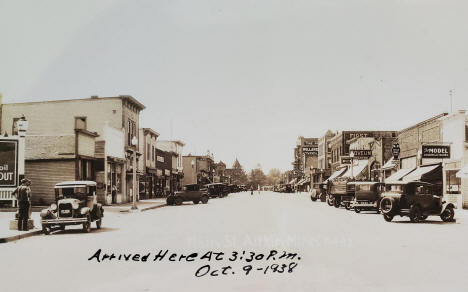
451	100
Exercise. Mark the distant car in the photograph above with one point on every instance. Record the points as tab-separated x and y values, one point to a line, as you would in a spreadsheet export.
217	190
193	192
75	204
417	200
367	195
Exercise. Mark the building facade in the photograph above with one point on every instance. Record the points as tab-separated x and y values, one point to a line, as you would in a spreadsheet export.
198	169
176	147
147	163
78	139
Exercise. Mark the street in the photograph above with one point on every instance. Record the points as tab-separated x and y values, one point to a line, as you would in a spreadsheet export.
337	250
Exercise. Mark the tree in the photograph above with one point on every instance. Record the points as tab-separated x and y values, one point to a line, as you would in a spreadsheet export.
256	178
273	177
237	173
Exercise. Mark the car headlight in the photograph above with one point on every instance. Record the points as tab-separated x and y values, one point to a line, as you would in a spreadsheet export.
84	210
53	207
75	205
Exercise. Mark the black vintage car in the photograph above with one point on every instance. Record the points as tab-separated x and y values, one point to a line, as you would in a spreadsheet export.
340	192
217	190
417	200
367	195
75	204
193	192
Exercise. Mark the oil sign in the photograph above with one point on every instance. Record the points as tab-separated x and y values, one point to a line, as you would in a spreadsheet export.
8	163
435	151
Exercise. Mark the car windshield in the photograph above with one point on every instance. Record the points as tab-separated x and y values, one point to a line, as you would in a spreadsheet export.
71	192
395	188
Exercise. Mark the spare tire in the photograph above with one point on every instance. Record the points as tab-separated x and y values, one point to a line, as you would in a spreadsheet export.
387	205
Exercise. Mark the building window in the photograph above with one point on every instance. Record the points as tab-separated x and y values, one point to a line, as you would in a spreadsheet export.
154	152
148	152
452	182
80	123
131	131
14	128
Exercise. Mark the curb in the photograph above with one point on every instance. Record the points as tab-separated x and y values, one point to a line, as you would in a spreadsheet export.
19	236
129	210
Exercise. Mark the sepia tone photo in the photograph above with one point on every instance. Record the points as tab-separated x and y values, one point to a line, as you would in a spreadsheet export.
221	145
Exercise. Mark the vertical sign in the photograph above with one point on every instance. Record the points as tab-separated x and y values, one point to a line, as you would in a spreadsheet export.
8	163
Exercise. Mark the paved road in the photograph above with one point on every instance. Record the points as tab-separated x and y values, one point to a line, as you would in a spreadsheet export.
337	250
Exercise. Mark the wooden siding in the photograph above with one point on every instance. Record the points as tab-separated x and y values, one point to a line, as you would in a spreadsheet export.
44	175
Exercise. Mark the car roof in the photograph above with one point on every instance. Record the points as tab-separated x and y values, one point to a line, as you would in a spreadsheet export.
76	183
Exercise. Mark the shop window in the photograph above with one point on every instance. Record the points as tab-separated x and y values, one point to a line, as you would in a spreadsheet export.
452	182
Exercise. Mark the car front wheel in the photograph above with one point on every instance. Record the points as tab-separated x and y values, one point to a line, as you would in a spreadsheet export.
204	199
196	201
46	230
357	210
388	217
178	201
415	214
87	225
99	223
448	214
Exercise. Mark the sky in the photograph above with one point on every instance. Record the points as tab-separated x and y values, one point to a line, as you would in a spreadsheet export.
243	78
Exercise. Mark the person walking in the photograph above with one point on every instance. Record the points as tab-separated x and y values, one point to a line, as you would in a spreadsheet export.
23	195
251	191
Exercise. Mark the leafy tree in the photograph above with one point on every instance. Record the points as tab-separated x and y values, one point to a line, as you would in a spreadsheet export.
256	178
273	177
238	175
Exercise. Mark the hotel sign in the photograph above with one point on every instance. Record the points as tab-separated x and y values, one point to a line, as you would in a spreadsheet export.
8	163
435	151
310	150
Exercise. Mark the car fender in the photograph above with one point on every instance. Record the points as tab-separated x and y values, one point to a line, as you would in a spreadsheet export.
446	205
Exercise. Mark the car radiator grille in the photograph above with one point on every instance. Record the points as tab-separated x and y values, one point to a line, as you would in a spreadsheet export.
65	210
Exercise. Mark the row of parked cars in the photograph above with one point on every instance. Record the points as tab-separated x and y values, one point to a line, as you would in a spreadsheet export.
76	203
415	199
202	193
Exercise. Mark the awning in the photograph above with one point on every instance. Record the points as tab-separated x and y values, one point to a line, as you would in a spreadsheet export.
399	174
462	173
425	173
301	182
357	168
337	173
390	164
292	181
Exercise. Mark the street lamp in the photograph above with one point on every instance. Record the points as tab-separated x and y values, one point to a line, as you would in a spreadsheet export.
134	143
351	155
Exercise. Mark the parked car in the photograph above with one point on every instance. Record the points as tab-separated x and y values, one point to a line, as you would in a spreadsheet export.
193	192
417	200
340	193
217	190
75	204
367	195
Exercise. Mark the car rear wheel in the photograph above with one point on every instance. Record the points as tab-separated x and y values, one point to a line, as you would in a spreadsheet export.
87	225
178	201
313	198
99	223
448	214
204	199
196	201
357	210
347	206
336	203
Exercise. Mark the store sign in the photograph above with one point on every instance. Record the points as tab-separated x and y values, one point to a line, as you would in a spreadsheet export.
167	172
435	151
362	153
396	151
310	151
345	160
8	163
310	143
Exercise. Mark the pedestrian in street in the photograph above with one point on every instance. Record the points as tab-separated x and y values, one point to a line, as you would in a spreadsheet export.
251	191
114	194
23	195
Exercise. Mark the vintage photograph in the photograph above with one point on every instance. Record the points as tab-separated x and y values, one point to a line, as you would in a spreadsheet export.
233	145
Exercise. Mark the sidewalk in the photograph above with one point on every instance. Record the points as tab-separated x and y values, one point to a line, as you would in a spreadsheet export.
7	235
143	205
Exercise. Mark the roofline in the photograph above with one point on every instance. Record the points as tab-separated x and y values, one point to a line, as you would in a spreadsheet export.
151	131
121	97
425	121
174	141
